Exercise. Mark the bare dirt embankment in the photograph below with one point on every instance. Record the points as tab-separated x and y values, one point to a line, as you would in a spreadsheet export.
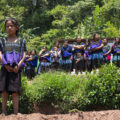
94	115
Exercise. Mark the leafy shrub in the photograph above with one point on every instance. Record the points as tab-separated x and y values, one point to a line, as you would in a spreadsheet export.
102	90
77	92
67	92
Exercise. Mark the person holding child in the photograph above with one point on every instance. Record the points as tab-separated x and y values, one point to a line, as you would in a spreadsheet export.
32	64
96	46
44	58
79	51
66	54
55	57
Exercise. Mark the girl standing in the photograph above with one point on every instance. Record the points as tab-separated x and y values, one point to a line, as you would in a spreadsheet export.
87	56
32	64
44	58
78	64
12	54
66	53
55	57
116	51
27	64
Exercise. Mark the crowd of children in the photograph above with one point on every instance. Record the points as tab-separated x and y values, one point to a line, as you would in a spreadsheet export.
78	56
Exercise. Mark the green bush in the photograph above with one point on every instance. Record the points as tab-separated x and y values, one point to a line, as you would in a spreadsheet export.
76	92
52	88
102	91
68	92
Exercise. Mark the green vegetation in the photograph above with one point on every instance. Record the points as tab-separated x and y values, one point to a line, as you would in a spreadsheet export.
70	92
76	92
43	22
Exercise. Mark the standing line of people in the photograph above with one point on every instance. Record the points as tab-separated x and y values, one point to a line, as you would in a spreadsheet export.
79	56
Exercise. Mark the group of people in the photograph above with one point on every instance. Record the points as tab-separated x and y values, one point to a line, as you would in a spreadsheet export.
81	55
78	56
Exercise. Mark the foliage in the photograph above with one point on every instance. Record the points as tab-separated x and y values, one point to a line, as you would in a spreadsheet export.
111	30
67	92
80	10
35	44
47	21
2	29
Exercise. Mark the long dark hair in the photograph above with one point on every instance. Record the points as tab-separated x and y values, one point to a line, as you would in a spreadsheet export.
15	23
34	51
118	39
94	36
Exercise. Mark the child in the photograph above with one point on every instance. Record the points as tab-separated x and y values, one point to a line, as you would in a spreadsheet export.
79	48
116	51
96	51
44	58
106	51
28	55
66	53
78	63
12	55
27	64
55	57
87	57
32	64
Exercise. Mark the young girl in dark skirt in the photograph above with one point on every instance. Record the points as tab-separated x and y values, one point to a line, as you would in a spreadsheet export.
78	63
32	64
12	54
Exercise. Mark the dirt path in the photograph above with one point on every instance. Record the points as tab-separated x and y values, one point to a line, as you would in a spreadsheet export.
101	115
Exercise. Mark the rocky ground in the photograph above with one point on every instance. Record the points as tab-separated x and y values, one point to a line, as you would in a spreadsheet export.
94	115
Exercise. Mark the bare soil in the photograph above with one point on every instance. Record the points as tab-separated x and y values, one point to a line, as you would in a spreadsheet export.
94	115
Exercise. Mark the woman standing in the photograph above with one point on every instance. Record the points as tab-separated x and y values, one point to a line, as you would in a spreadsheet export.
96	52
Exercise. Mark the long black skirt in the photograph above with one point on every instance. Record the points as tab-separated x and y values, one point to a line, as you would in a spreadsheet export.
10	82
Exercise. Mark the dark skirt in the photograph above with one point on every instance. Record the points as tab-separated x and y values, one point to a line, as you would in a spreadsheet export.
43	67
96	63
10	82
88	65
30	72
80	65
66	64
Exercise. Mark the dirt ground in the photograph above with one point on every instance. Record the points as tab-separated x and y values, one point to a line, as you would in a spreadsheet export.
94	115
